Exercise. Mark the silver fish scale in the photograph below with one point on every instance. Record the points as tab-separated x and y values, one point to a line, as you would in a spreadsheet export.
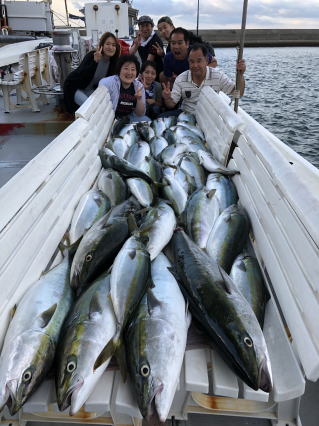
190	165
225	190
201	212
137	153
160	333
31	339
129	276
51	288
157	145
112	185
90	327
141	190
118	146
92	205
163	218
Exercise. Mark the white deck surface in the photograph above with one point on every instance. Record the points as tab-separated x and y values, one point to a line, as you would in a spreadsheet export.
18	145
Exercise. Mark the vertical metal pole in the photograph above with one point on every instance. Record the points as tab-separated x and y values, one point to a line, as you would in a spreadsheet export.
197	17
67	13
241	49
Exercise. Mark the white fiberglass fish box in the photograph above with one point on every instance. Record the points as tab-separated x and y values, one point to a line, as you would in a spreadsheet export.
278	189
101	16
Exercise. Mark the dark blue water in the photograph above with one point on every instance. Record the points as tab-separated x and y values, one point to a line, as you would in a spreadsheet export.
282	93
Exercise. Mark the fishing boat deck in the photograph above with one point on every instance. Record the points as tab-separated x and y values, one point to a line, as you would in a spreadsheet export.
24	133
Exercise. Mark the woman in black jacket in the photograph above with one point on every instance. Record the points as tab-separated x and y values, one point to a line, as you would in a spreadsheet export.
82	82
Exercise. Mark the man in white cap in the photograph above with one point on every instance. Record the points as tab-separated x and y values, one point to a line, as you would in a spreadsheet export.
147	43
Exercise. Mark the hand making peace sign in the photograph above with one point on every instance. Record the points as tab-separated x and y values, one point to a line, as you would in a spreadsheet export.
166	90
159	50
98	54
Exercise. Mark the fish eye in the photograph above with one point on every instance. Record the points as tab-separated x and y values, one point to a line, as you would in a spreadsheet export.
27	375
88	258
145	370
71	366
248	342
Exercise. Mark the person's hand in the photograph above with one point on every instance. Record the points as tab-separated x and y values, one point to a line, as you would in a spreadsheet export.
241	66
139	93
166	93
98	54
141	78
159	51
213	62
150	101
138	40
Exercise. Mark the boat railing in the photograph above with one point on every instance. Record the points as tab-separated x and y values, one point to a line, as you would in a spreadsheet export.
33	71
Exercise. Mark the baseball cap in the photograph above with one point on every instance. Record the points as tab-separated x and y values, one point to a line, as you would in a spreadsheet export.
145	19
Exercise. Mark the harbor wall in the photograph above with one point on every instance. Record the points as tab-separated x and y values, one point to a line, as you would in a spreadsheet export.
262	37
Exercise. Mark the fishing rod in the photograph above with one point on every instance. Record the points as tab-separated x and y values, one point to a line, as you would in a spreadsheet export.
237	91
67	13
240	52
197	17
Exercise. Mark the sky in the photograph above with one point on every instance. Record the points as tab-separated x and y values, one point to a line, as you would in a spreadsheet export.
219	14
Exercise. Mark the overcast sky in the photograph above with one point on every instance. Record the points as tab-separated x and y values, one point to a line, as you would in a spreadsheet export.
222	13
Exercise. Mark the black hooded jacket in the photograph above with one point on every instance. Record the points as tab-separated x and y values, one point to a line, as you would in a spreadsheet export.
81	78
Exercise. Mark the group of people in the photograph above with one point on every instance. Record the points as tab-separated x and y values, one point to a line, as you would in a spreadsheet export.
149	82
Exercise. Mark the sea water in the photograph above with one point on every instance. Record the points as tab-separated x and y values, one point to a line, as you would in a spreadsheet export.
282	92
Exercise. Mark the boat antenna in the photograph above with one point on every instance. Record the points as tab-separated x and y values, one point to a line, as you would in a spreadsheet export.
240	52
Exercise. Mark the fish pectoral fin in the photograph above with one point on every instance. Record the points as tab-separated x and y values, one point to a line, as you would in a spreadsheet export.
143	211
226	280
95	305
188	318
106	353
12	312
152	301
211	193
121	360
158	185
131	222
150	283
45	317
132	254
227	218
106	225
69	250
242	266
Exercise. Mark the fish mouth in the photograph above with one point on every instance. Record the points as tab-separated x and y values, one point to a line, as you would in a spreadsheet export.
13	406
68	399
12	403
74	278
151	414
265	376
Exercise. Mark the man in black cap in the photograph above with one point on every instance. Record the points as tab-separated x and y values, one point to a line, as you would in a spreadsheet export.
147	43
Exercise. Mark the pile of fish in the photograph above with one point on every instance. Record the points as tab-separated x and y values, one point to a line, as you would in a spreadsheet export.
160	234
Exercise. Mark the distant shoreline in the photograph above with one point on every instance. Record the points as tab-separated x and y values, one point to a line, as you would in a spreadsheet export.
262	37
